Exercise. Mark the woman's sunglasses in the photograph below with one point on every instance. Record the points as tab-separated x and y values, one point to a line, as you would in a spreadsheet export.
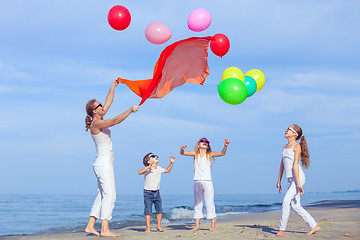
204	141
100	105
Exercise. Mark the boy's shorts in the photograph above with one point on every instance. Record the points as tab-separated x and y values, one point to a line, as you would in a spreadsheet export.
150	197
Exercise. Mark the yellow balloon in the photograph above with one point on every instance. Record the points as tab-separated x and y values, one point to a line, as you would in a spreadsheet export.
258	76
233	72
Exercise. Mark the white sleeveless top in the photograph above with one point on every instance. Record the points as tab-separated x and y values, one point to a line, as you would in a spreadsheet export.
202	169
288	160
103	144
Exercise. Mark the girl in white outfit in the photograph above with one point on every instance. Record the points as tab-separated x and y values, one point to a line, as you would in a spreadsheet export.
202	179
104	162
296	178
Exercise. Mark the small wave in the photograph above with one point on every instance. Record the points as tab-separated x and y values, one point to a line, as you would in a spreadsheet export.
247	208
230	213
348	191
165	221
266	205
182	212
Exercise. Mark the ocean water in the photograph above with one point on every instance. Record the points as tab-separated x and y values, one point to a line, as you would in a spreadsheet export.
38	214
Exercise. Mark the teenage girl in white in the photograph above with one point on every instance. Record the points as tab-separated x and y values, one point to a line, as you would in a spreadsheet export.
104	162
202	179
296	178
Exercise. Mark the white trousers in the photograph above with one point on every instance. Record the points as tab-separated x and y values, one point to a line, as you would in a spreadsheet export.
206	189
105	201
292	198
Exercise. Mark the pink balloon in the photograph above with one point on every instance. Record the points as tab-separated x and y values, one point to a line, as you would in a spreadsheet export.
199	20
157	33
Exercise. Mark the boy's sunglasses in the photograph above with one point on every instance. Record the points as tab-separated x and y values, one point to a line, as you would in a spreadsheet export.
100	105
204	141
153	155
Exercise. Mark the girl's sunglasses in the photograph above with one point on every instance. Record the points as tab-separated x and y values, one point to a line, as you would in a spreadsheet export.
100	105
153	155
291	129
204	141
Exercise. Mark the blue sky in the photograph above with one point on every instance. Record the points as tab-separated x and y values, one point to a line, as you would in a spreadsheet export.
56	55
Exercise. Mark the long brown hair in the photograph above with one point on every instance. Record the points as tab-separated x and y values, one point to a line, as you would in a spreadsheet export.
305	157
208	151
89	111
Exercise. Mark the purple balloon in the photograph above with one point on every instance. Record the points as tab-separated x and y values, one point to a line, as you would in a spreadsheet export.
199	20
157	33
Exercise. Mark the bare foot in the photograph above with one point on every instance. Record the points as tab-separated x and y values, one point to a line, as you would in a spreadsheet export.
314	230
147	230
212	228
160	229
92	231
195	229
109	233
280	233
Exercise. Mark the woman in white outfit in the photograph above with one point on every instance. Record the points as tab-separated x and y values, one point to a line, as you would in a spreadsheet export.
104	162
295	177
202	179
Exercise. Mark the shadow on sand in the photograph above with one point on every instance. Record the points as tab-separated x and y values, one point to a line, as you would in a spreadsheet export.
266	229
138	229
180	227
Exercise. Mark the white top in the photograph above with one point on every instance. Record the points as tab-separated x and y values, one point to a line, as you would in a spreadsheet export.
288	160
202	169
153	178
103	145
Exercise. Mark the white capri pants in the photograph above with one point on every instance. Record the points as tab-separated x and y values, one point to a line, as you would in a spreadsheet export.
292	198
105	201
205	188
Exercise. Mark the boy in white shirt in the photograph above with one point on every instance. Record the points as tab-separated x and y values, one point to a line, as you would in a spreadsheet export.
151	187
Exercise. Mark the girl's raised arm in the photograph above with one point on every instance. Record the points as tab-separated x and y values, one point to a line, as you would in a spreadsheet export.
182	151
223	152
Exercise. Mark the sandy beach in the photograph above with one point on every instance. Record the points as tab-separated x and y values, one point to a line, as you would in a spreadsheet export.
337	219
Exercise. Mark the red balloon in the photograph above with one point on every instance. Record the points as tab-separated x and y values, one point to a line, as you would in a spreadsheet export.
119	17
220	44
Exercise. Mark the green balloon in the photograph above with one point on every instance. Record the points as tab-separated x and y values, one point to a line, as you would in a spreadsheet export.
232	91
250	85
